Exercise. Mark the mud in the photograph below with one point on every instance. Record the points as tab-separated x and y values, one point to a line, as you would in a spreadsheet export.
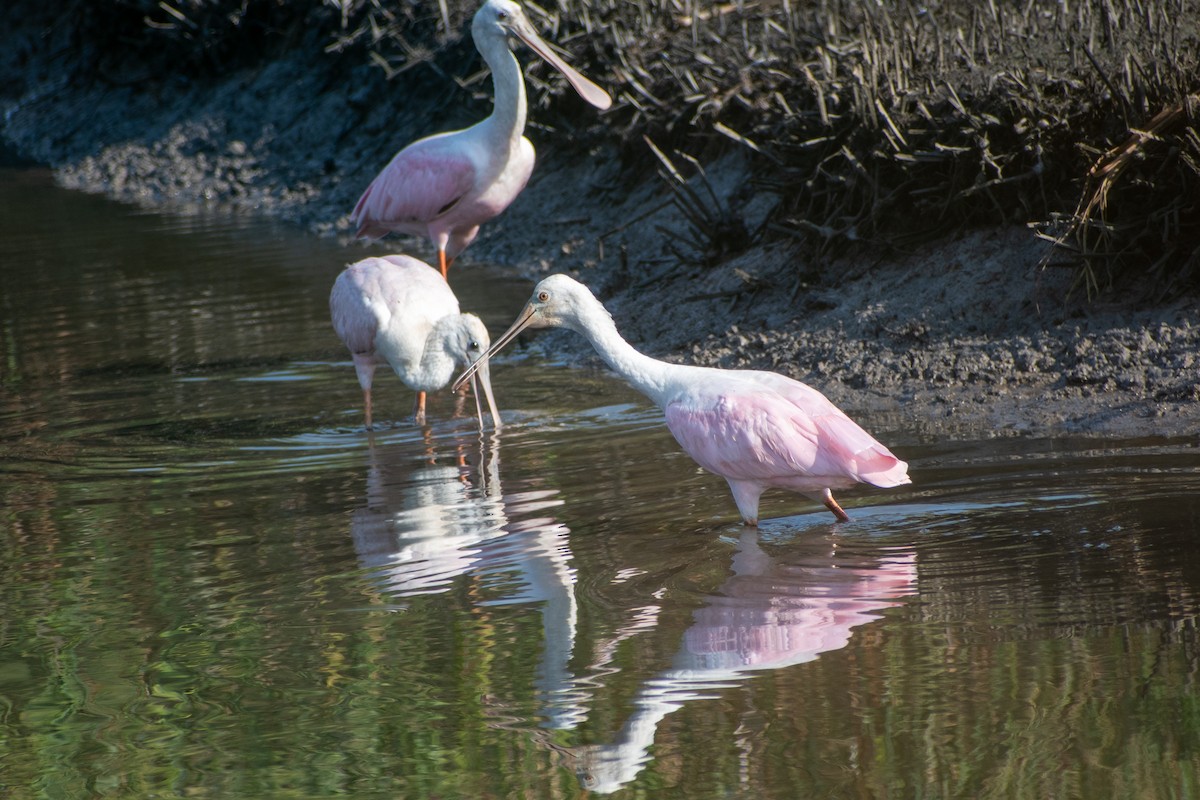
968	333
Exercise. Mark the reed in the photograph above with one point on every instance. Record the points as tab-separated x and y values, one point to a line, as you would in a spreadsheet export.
888	123
878	123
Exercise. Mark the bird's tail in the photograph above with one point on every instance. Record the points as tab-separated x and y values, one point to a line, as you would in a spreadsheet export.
878	467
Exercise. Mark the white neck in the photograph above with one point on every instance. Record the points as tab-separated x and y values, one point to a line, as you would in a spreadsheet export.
648	375
508	86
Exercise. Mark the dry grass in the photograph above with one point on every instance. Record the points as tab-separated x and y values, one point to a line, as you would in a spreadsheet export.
875	122
1135	227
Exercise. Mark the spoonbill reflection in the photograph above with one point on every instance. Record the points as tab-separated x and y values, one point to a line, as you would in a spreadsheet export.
755	429
399	310
429	522
771	613
445	186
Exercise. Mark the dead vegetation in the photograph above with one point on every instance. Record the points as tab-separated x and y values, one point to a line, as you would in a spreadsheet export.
885	123
1136	222
876	123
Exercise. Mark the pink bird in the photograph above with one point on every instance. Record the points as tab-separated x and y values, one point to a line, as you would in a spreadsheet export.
757	430
398	310
445	186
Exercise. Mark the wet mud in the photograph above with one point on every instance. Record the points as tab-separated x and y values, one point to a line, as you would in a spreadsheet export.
980	328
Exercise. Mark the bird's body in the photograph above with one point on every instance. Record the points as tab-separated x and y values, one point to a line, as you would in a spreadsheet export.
758	430
445	186
400	311
761	430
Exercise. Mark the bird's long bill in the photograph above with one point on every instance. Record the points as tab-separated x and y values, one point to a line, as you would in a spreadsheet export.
481	363
587	90
482	379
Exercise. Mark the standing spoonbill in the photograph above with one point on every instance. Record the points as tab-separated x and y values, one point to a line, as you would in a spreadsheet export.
446	185
399	310
755	429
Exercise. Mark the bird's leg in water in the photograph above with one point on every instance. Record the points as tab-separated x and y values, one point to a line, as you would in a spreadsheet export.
833	506
419	409
367	406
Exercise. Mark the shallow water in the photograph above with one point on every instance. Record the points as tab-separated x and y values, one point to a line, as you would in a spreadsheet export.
214	583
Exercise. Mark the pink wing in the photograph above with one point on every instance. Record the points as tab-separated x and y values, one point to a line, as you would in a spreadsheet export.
353	320
842	437
424	181
798	439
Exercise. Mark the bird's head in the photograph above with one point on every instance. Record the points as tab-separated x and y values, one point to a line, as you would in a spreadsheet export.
504	17
468	339
557	301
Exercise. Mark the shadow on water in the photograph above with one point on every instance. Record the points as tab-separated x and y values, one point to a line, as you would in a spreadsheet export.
215	582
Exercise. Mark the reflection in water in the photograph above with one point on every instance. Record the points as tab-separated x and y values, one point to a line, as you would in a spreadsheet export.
175	620
432	518
772	612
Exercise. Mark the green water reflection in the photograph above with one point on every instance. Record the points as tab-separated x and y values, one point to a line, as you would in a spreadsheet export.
213	583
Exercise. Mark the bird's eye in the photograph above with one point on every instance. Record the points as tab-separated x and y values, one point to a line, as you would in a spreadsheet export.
543	296
501	15
472	345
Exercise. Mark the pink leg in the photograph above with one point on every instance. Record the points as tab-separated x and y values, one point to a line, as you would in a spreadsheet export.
364	367
833	506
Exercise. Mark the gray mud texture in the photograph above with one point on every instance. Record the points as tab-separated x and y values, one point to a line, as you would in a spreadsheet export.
973	332
968	333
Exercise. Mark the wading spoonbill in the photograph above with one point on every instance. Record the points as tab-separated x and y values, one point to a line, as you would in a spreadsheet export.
757	430
399	310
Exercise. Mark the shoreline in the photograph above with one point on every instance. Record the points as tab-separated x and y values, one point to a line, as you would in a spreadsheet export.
968	332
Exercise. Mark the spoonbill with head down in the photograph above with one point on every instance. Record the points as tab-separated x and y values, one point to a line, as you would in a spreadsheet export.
755	429
445	186
399	310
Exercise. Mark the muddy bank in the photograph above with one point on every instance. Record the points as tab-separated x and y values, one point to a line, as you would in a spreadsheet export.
968	332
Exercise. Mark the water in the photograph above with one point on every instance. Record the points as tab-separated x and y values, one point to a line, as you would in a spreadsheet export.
213	583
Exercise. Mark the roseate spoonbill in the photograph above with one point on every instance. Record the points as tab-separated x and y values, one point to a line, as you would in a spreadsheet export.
445	186
755	429
399	310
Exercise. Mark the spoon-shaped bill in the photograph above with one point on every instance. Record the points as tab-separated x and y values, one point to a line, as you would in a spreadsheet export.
480	377
586	89
480	364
